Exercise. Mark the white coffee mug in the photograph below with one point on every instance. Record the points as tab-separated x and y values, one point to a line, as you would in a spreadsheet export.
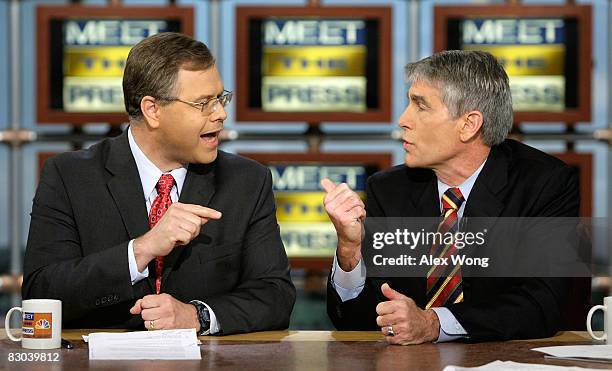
607	319
42	324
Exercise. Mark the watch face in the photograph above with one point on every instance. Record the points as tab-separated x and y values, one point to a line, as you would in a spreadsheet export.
203	317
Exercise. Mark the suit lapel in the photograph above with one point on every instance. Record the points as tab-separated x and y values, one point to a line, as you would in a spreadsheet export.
485	197
485	201
125	187
422	202
198	189
430	202
423	195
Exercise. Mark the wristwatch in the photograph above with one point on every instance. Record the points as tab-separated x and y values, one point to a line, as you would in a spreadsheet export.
203	316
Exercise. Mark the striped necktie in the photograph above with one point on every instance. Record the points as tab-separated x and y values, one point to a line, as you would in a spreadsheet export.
444	281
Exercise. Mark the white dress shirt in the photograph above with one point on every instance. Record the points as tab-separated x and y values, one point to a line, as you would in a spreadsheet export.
149	175
349	285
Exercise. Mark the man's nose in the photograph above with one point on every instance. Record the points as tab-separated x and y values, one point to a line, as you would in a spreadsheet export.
219	112
405	119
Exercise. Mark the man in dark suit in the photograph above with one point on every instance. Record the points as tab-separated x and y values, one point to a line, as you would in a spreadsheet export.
156	227
459	163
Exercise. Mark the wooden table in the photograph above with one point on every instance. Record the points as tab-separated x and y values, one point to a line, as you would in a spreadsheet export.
309	350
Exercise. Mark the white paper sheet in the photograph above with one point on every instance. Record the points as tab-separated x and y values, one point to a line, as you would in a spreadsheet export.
161	344
515	366
584	352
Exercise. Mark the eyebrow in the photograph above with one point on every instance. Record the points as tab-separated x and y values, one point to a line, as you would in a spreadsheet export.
419	99
209	96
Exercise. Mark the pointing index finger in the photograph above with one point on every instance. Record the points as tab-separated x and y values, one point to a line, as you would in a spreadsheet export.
204	212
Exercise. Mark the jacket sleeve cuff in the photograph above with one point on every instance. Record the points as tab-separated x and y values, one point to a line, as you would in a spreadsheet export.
135	275
450	328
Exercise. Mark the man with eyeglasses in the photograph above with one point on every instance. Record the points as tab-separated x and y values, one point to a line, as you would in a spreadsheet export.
157	228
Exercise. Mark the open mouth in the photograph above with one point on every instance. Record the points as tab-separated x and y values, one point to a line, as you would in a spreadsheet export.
211	136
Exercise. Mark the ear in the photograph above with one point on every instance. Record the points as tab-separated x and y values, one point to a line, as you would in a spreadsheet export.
150	110
471	123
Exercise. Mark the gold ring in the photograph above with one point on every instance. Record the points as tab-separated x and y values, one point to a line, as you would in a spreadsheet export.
152	325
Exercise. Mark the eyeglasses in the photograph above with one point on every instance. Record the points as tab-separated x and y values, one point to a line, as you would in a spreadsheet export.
209	105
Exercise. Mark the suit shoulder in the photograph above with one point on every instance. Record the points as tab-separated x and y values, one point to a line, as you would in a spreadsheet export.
532	160
81	159
395	173
239	165
400	174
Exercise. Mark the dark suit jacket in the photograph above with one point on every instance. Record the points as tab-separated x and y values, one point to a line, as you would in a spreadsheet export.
516	181
89	204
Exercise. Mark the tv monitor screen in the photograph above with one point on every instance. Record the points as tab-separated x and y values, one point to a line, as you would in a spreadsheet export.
88	57
544	49
535	52
305	227
313	65
300	65
82	57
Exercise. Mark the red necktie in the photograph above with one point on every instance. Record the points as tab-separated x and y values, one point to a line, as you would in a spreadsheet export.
158	209
444	281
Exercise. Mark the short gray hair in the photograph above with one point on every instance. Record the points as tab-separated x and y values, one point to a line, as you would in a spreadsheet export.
470	81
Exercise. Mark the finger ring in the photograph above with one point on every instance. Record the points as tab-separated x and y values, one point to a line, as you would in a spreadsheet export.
151	325
390	331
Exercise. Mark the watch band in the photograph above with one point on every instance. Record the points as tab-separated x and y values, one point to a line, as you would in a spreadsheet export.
203	316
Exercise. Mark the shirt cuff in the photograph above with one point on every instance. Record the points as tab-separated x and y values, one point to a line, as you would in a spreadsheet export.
348	285
214	325
450	328
135	276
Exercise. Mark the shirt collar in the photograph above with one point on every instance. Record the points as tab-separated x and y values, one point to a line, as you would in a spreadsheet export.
465	187
149	173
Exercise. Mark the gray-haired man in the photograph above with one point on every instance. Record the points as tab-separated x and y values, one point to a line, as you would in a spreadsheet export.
454	135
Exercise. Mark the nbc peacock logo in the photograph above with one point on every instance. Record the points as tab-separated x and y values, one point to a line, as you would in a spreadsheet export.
42	324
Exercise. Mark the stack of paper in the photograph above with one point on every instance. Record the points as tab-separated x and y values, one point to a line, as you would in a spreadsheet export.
515	366
587	353
162	344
